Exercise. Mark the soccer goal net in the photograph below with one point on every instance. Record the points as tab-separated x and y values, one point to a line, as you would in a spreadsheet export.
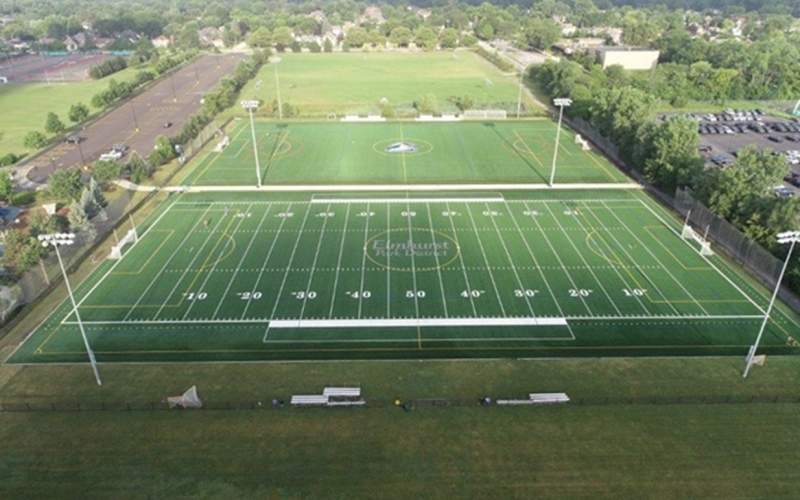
485	114
116	250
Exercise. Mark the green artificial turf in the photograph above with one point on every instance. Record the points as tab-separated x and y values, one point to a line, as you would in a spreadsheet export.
226	276
360	153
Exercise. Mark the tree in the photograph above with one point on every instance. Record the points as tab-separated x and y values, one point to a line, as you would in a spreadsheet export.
35	140
106	171
541	33
314	47
6	186
448	38
427	104
260	38
671	158
21	251
400	36
485	30
356	37
163	152
296	47
282	37
41	223
53	124
65	184
425	38
78	113
78	219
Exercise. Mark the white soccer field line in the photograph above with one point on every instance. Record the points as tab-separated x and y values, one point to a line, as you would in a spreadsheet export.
619	317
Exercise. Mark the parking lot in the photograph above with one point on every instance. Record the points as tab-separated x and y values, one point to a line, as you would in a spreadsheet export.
722	135
162	109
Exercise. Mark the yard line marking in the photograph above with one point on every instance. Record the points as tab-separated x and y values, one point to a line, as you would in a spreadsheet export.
647	249
536	263
485	260
161	271
511	261
583	259
620	264
633	261
339	260
314	262
415	322
560	262
436	256
282	139
461	260
342	201
288	269
413	264
210	272
363	263
388	263
241	261
708	261
266	261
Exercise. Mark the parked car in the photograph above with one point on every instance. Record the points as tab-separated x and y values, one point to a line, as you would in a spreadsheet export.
167	124
74	139
774	138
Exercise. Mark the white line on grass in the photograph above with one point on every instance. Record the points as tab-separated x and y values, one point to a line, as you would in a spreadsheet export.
436	256
210	272
560	262
485	260
314	262
339	260
363	263
631	259
461	260
288	268
266	261
241	260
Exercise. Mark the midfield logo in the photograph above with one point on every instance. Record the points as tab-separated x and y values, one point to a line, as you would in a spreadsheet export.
384	248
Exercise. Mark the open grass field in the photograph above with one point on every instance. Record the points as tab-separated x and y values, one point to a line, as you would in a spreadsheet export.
24	106
242	276
361	153
350	83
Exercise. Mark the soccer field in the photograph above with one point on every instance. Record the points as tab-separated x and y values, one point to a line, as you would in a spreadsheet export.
362	153
355	83
251	276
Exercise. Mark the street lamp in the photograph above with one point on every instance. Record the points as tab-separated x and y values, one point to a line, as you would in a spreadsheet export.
519	94
791	237
135	121
250	106
561	102
275	61
65	239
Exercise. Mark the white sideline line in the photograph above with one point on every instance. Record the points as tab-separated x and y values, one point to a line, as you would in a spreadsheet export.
388	323
355	322
290	188
405	200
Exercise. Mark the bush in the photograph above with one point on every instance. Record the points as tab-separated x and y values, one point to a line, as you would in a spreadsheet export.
108	67
9	159
106	171
494	59
35	140
23	198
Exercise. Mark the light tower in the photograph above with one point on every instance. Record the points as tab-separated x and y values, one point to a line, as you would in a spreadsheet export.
250	106
561	102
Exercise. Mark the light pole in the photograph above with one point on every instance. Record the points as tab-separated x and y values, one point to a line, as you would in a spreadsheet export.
519	95
791	237
172	85
275	61
250	106
561	102
64	239
135	121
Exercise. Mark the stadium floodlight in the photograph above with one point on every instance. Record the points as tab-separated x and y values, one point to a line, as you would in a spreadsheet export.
250	106
275	61
561	102
791	237
65	239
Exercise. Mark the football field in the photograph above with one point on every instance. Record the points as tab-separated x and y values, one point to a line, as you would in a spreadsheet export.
255	276
325	153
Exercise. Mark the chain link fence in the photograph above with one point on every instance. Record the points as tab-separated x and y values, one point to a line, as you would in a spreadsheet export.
113	219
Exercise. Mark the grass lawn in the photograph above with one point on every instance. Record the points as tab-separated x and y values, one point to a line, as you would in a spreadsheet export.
349	83
24	107
597	451
245	276
361	153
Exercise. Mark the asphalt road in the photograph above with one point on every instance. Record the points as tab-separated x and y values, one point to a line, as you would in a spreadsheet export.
140	120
